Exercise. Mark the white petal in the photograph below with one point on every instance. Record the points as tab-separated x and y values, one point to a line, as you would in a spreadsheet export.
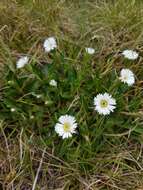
59	129
62	119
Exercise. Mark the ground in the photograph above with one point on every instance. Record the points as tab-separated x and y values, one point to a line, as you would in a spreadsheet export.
106	152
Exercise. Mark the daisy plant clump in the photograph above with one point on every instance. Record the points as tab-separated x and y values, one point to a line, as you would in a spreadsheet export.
104	104
66	126
130	54
50	44
22	62
127	76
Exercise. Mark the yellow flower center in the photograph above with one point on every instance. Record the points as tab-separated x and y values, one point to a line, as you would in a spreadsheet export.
66	127
103	103
125	78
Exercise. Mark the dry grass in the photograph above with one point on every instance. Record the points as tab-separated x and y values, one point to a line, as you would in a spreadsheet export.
119	169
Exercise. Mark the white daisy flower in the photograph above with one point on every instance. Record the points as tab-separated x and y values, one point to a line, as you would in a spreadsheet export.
50	44
104	104
38	96
22	62
66	126
127	76
46	102
10	82
90	50
32	117
130	54
53	83
12	109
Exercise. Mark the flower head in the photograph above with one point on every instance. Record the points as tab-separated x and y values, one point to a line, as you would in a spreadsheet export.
50	44
38	96
90	50
66	126
32	117
12	109
22	62
104	104
46	102
53	83
10	82
127	76
130	54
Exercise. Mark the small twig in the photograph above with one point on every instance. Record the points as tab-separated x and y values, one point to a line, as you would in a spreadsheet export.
72	103
135	114
20	145
39	168
121	134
